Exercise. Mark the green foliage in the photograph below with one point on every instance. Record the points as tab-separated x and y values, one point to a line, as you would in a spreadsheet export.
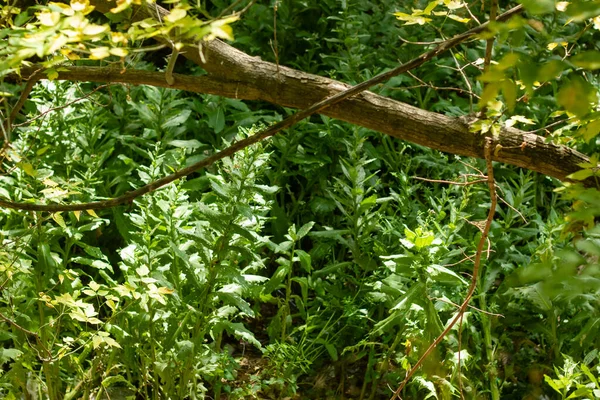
315	264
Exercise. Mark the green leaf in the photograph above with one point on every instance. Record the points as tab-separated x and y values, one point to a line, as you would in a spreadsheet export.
219	120
45	258
21	18
303	231
537	7
582	10
589	60
581	175
239	331
577	96
509	90
399	311
111	380
9	354
186	144
177	119
276	279
552	384
304	258
441	274
332	351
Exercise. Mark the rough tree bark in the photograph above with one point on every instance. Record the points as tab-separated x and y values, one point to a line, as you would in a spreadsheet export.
234	74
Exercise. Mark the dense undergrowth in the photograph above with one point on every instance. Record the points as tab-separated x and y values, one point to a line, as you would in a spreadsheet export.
313	265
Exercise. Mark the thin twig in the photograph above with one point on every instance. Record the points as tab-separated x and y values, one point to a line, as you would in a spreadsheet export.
429	85
476	267
470	13
28	333
466	258
36	76
470	306
511	207
228	9
419	43
450	182
271	131
466	79
545	128
460	385
85	96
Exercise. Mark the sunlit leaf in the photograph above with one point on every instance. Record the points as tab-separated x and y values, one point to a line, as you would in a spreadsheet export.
98	53
79	5
59	220
175	15
49	18
581	175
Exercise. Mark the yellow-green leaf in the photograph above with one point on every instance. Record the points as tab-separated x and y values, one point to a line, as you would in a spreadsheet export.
509	90
590	131
52	74
79	5
454	4
45	148
581	175
99	53
48	18
459	19
577	96
59	220
489	93
119	52
95	30
175	15
28	169
430	7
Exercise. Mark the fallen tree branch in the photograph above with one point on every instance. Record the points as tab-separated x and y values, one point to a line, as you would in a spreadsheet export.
316	107
394	118
235	74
